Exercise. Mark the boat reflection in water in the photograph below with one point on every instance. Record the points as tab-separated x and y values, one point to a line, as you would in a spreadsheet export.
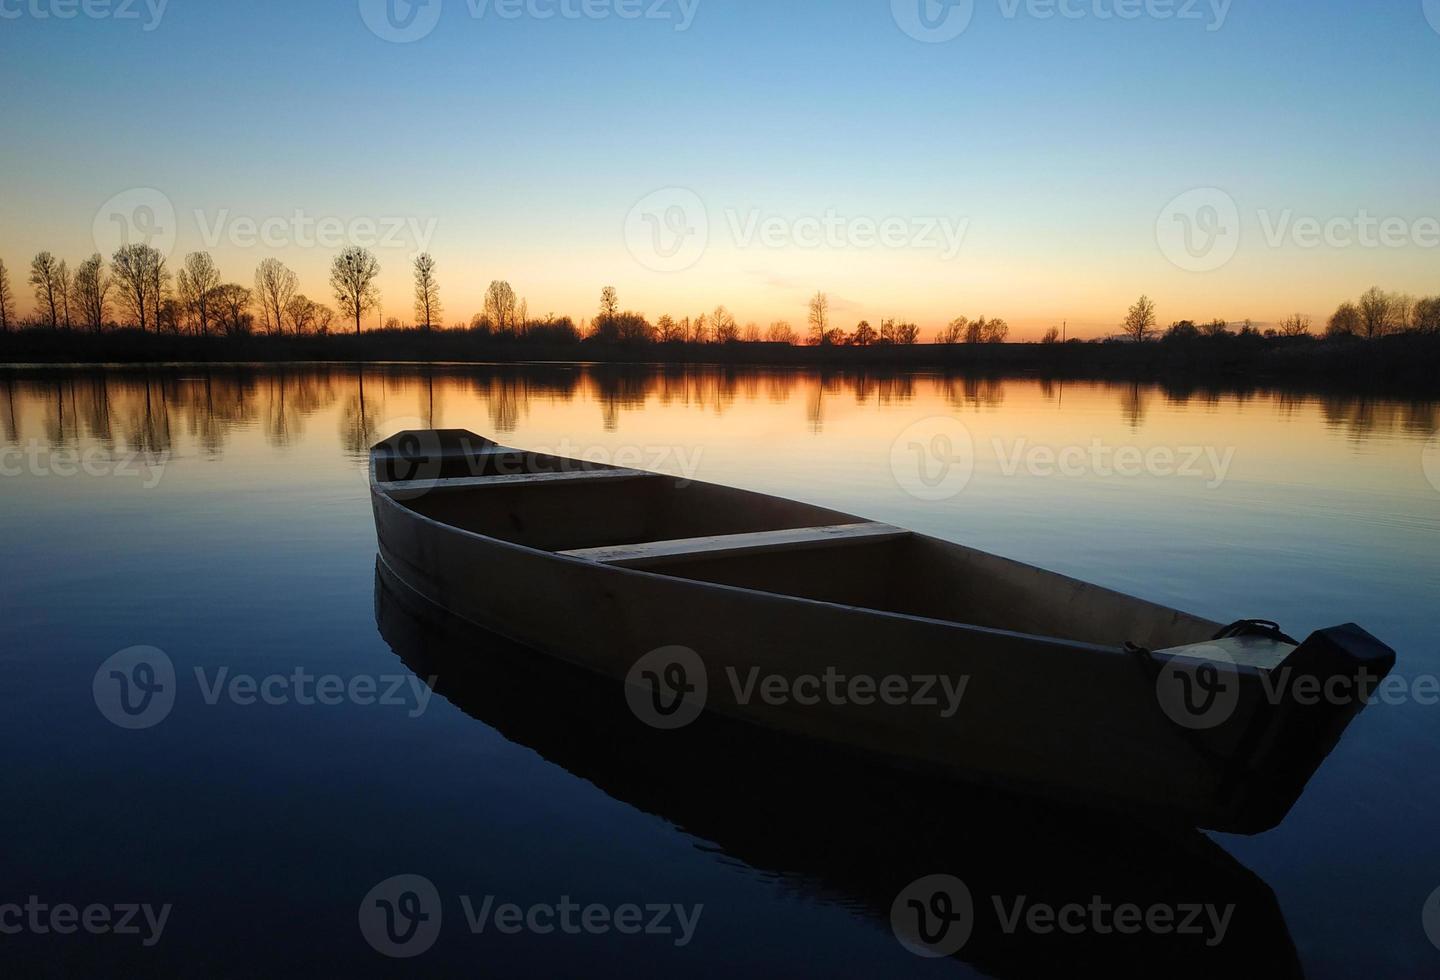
840	829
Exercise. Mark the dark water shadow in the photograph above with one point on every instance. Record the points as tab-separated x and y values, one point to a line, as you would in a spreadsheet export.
843	830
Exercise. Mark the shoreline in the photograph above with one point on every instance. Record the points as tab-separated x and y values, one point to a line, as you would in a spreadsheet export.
1404	364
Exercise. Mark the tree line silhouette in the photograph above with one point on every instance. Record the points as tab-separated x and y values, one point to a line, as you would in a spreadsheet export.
136	289
1376	314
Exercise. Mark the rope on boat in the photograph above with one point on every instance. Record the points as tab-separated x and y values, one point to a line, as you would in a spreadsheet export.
1256	627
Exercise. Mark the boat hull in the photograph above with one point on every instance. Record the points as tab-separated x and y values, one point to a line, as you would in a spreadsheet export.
1043	716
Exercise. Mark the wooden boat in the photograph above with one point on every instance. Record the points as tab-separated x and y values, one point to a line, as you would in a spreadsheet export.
704	597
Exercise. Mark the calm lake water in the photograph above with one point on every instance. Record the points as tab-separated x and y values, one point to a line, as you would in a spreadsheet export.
222	516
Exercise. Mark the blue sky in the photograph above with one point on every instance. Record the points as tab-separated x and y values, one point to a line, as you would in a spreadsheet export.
1058	142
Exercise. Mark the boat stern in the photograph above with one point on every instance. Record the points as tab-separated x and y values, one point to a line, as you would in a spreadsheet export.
1266	712
1313	697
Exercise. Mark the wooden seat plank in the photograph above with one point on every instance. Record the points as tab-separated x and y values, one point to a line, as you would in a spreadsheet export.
652	554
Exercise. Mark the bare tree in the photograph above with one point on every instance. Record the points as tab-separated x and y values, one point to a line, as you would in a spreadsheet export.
45	277
1140	322
301	314
63	281
353	278
1402	312
140	276
1427	313
166	311
780	332
188	294
633	328
1376	313
606	326
1295	326
168	315
1346	322
92	291
1052	336
864	334
196	283
232	309
500	307
666	329
994	331
819	318
961	330
953	333
7	299
723	324
427	293
275	287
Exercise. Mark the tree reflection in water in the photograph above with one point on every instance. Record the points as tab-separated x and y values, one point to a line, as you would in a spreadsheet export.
143	409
